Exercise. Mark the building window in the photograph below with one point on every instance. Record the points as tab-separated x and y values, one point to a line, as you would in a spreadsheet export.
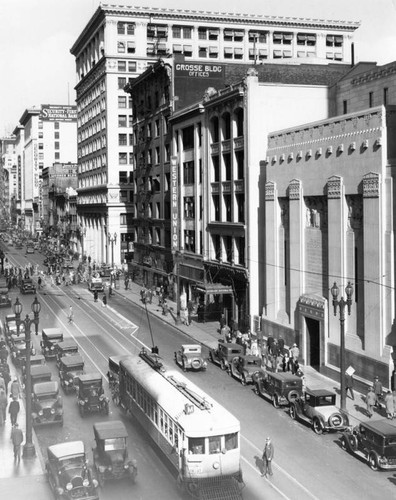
284	38
344	107
41	145
371	99
334	40
258	36
227	207
189	241
41	134
213	34
121	28
121	47
57	156
157	155
122	120
157	128
123	177
56	125
176	32
202	52
132	66
130	29
202	33
187	33
189	207
122	139
56	135
131	47
187	50
121	65
385	98
56	145
306	39
122	101
122	158
188	172
188	137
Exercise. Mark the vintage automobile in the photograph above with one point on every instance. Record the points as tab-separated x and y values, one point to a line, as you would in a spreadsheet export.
90	394
47	405
50	340
281	388
37	359
65	348
17	345
374	441
5	300
225	353
317	407
30	249
27	286
96	284
189	357
39	373
110	456
10	326
18	245
68	473
70	369
243	367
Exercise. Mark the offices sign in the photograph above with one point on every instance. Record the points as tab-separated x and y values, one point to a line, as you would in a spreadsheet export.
55	113
199	70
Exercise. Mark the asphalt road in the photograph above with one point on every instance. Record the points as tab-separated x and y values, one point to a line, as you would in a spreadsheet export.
306	466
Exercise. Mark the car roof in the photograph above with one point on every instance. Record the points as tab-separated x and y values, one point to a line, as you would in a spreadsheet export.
381	426
231	345
10	317
90	377
110	429
67	344
40	370
52	332
37	357
72	360
63	450
191	346
45	387
250	357
283	376
320	392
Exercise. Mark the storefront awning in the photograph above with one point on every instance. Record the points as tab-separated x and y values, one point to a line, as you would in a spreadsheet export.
214	288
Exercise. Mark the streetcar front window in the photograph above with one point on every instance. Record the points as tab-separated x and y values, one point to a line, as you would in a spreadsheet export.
214	445
196	446
231	441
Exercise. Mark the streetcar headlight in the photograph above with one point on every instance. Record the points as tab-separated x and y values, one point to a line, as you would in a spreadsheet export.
216	465
86	482
69	486
40	413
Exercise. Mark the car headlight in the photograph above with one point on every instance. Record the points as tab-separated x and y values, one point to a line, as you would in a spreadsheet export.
85	400
126	466
18	352
52	411
82	403
86	482
69	486
40	413
52	348
95	483
66	382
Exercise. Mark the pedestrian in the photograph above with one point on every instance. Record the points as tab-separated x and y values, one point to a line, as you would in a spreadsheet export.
349	385
3	354
370	401
377	387
3	405
222	321
5	370
294	355
268	455
2	383
17	440
104	300
71	315
150	296
2	343
13	410
39	282
95	295
15	390
190	309
389	406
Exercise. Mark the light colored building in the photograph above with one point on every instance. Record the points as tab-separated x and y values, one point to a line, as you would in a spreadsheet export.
49	136
118	43
8	178
328	216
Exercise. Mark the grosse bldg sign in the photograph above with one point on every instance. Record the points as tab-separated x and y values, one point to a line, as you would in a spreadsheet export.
199	70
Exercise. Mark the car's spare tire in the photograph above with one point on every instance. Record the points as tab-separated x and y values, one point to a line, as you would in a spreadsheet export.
336	420
196	364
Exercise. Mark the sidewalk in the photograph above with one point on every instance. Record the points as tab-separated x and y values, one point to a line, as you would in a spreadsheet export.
207	335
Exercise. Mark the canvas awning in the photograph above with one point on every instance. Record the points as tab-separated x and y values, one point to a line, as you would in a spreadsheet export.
214	288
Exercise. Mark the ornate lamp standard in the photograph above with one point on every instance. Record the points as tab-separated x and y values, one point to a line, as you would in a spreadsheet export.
341	304
28	449
112	240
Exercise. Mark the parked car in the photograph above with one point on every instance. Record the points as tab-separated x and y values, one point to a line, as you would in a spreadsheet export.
110	456
90	394
17	345
10	326
189	357
30	249
70	368
65	348
68	473
225	353
27	286
37	359
317	407
47	404
96	284
5	300
51	337
281	388
39	373
374	441
243	367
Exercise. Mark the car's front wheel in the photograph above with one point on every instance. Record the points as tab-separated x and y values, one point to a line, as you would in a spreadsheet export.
275	401
344	444
373	461
223	366
293	412
317	426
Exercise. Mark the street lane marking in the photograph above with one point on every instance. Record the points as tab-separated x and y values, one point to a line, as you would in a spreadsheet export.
268	482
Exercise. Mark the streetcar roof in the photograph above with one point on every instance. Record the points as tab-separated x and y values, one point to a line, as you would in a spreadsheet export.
210	416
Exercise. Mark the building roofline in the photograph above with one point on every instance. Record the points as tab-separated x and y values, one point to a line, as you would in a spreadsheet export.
27	113
228	18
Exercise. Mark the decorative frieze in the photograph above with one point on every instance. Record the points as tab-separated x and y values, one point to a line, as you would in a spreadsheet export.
334	184
269	191
294	189
371	185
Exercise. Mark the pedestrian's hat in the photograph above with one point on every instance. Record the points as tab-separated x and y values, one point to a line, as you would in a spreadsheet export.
294	345
268	439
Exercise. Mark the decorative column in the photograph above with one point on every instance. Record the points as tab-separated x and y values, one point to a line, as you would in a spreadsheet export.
271	298
296	241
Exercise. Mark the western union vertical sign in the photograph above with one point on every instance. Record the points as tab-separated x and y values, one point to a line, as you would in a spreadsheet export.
174	203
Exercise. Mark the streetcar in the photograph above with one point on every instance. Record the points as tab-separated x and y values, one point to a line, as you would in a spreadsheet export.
198	436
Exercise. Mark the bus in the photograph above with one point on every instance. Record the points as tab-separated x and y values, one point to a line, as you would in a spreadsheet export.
198	436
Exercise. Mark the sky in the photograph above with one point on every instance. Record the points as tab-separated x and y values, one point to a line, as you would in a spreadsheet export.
36	37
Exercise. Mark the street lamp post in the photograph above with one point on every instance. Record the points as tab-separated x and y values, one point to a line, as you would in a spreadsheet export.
28	449
341	305
112	240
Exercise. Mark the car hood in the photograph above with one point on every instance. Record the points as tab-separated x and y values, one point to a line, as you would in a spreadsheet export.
47	403
75	476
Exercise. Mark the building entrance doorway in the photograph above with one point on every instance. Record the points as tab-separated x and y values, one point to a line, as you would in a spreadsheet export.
313	342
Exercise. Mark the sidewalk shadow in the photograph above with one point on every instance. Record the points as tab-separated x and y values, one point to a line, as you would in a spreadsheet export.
259	464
